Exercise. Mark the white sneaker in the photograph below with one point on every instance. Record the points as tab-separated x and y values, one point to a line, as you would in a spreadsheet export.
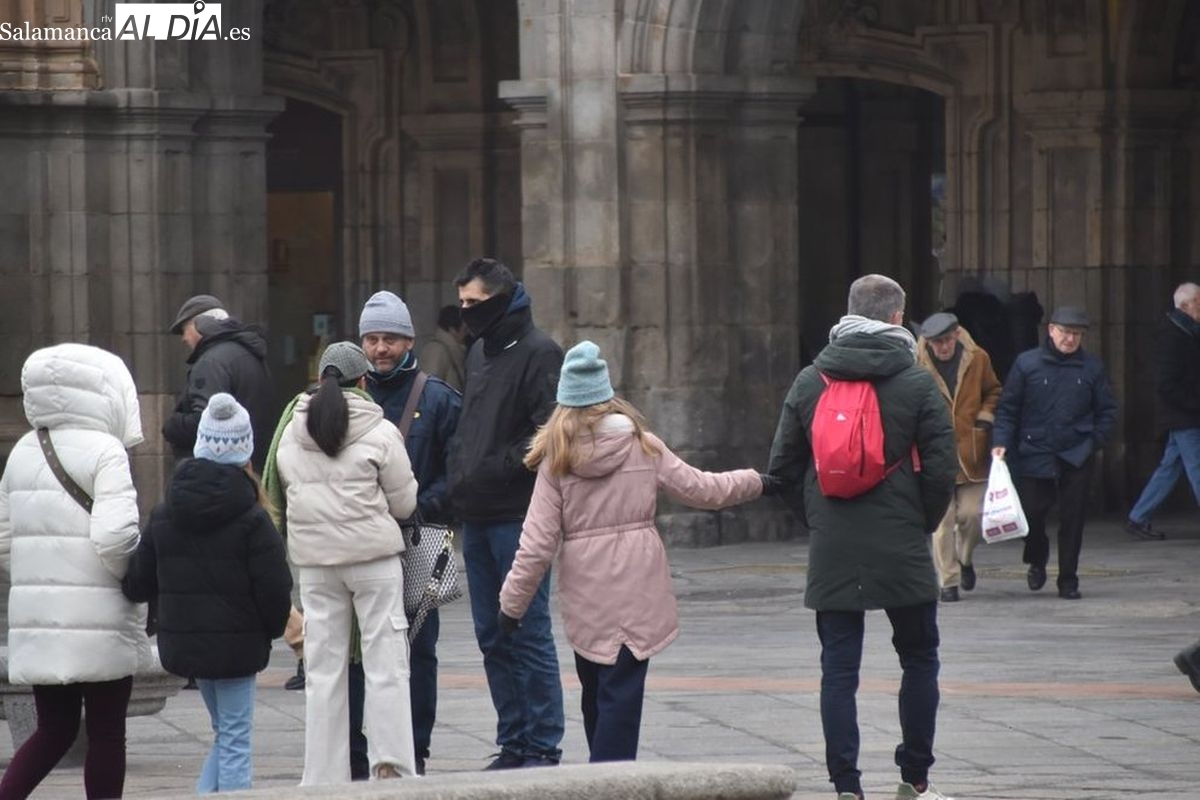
905	791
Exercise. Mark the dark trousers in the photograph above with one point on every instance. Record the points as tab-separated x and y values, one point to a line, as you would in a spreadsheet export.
58	711
1038	496
915	637
612	705
422	691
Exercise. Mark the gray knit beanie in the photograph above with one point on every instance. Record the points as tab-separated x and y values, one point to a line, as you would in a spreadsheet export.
224	435
349	359
384	312
584	378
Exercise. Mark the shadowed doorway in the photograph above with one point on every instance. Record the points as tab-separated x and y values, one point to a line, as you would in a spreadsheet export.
304	184
872	168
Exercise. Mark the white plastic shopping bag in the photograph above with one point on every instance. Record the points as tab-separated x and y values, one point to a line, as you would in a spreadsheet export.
1003	517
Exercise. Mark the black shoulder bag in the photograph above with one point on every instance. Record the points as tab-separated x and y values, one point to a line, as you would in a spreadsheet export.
74	489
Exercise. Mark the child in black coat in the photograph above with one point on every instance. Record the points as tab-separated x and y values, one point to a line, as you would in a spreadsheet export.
214	562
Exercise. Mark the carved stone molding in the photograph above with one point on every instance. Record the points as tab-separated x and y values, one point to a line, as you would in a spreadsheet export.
55	65
529	99
666	99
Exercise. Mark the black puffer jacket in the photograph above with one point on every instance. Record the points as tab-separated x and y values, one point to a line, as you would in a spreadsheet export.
1177	383
216	565
230	357
871	551
512	381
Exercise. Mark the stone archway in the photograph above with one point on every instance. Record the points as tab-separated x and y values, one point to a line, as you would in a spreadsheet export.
1064	139
428	156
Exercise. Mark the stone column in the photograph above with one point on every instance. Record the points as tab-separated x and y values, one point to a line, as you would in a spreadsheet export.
659	221
1104	221
710	183
117	203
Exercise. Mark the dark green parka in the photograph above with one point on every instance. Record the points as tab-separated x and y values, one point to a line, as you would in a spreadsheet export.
871	551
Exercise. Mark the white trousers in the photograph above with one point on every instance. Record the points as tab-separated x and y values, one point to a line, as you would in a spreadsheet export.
374	590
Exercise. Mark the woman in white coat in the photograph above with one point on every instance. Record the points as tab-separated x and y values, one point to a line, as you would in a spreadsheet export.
72	634
347	480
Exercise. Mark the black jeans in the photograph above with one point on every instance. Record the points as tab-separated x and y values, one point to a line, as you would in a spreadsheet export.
422	692
612	705
1038	496
915	637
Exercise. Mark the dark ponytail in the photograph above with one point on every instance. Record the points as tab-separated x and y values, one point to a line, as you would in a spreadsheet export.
328	413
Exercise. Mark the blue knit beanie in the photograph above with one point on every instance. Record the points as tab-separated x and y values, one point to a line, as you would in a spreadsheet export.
224	435
584	379
384	312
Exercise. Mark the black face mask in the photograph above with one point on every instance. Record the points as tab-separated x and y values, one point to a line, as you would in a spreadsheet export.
481	316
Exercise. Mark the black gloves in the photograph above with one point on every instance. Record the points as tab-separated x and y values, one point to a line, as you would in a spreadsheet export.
983	425
772	484
508	625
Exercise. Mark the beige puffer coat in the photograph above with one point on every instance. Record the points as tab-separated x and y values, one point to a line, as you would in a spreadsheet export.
344	510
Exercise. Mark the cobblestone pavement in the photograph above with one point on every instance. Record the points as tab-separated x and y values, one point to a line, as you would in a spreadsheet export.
1041	698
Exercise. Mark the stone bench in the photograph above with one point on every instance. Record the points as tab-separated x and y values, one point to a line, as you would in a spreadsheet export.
640	780
150	692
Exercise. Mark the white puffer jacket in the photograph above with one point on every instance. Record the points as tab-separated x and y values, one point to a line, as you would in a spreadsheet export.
343	510
68	621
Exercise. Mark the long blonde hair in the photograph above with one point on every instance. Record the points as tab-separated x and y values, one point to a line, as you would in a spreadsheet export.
263	499
558	441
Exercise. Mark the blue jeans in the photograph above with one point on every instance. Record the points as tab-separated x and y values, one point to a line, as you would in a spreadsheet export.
1182	455
612	705
230	703
422	691
915	638
522	669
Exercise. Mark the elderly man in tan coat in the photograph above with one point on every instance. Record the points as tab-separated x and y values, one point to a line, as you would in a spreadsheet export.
963	372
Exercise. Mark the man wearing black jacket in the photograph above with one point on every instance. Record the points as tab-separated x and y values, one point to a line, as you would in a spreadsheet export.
511	379
1178	390
226	356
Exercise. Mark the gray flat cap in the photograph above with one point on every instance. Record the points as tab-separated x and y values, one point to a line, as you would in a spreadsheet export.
194	305
1070	317
939	324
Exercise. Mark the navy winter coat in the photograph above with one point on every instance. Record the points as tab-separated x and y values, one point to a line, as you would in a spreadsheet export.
214	561
1054	407
428	439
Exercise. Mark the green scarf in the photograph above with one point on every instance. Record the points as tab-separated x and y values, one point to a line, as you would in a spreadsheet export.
278	497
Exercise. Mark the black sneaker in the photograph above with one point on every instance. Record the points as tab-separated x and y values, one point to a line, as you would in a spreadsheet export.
950	594
296	682
1036	577
1143	531
540	761
1070	593
1186	660
506	759
967	579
